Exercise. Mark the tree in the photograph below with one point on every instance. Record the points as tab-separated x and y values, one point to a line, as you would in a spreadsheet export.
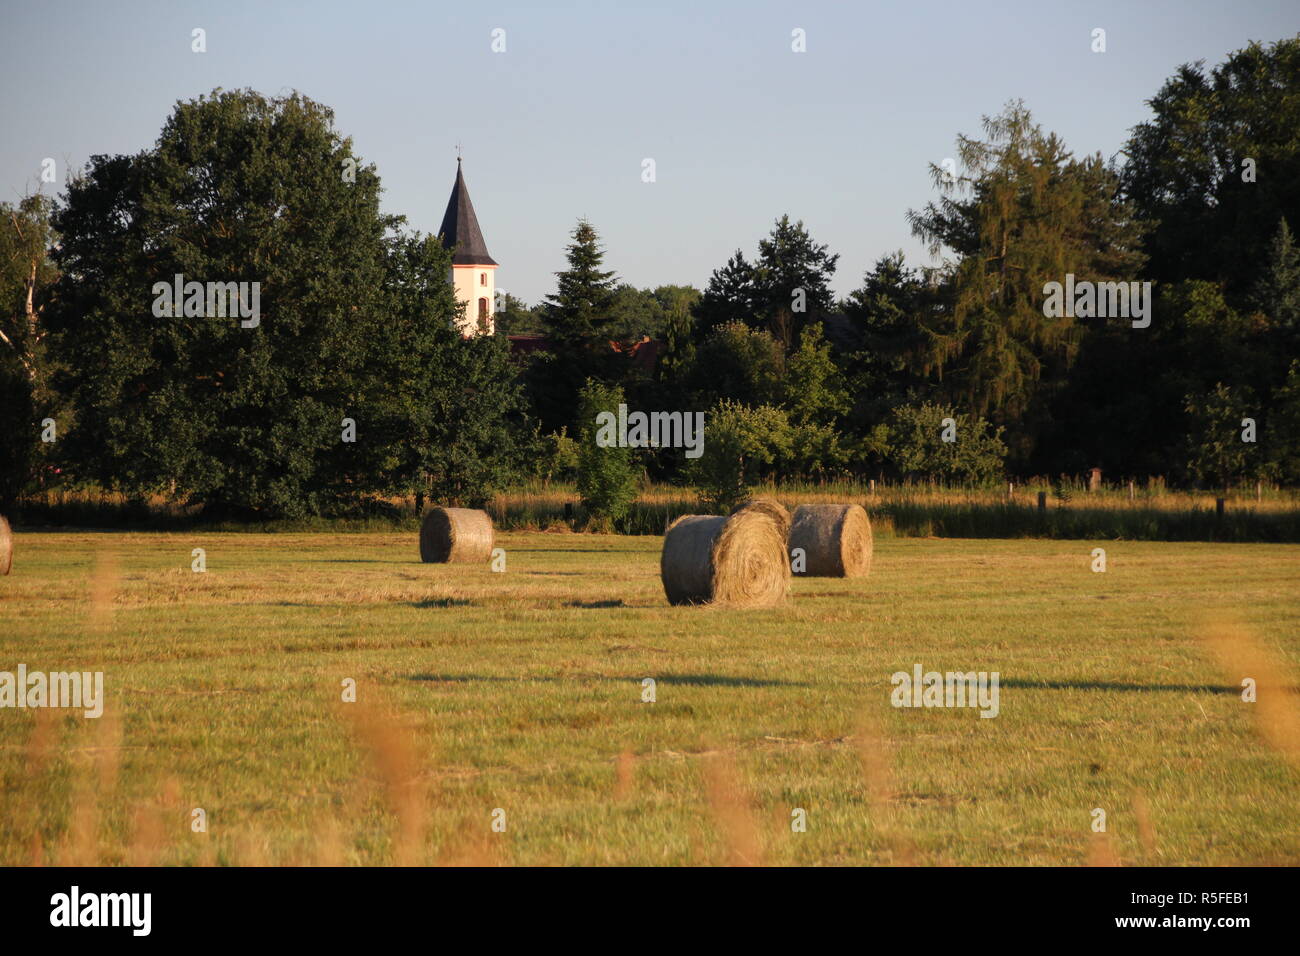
559	458
579	315
515	317
1277	292
1218	164
741	445
784	289
728	297
886	315
579	321
246	414
1021	213
607	475
738	363
1217	452
448	416
918	449
26	275
1283	437
679	327
813	390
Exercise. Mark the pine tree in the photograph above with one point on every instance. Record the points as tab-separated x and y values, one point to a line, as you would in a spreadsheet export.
1277	293
579	315
784	289
579	319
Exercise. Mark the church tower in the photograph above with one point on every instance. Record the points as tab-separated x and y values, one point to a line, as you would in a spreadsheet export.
472	269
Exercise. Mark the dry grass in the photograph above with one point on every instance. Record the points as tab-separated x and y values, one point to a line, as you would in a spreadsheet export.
522	691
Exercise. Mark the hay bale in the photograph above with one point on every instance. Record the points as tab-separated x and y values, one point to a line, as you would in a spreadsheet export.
836	540
460	535
772	508
6	546
738	561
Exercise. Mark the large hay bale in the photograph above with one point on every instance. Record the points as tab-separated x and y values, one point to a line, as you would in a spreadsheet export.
770	507
460	535
737	561
836	540
6	546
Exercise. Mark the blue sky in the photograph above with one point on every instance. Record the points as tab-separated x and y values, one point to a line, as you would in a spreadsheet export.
741	128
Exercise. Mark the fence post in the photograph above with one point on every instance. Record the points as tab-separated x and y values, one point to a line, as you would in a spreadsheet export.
1132	492
1042	501
1218	507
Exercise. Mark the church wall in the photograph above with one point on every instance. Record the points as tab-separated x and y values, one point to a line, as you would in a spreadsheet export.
466	282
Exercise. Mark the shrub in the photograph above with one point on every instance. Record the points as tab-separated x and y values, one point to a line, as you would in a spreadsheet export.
607	476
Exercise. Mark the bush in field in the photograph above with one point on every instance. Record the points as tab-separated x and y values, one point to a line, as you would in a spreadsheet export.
740	445
607	477
559	458
1216	452
917	448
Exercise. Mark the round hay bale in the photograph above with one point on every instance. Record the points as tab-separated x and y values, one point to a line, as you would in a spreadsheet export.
738	561
6	546
836	540
773	509
460	535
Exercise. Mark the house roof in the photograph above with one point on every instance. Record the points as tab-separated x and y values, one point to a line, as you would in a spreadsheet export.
460	231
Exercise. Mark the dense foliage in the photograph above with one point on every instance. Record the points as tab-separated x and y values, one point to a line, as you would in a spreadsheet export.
355	324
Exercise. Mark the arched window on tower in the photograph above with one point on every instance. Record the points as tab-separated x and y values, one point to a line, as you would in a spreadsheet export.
483	314
482	278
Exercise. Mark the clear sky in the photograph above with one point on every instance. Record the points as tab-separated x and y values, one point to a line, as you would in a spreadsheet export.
741	128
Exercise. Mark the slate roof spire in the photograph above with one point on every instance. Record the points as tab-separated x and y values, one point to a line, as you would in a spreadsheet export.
460	229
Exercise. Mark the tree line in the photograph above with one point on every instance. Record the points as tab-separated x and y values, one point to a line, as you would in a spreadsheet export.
354	385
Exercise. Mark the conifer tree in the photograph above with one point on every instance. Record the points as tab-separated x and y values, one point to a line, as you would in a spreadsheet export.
579	315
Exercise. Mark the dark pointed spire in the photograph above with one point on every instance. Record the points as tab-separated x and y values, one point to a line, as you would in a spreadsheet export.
460	229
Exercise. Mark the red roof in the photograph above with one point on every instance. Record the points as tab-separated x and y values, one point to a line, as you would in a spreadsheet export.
644	354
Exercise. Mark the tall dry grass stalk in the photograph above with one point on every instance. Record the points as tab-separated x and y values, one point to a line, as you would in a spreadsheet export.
36	758
150	826
624	772
876	758
394	754
732	810
94	780
1100	851
1146	832
1241	655
105	579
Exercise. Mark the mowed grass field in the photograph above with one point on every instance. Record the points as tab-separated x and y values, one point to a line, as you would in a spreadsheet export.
522	692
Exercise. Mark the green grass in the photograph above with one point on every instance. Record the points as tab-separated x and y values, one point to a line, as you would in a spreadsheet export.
521	690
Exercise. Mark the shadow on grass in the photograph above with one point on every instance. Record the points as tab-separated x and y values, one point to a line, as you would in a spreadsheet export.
686	680
592	605
442	602
568	551
1111	685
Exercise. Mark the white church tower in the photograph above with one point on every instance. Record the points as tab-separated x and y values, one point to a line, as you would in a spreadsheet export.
472	269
